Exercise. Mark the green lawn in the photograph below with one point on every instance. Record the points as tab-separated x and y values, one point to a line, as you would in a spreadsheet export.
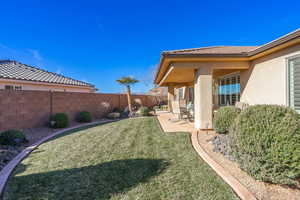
128	159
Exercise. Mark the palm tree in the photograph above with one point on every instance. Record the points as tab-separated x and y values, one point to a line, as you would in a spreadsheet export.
127	81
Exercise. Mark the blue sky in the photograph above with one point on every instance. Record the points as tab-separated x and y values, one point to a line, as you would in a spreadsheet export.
99	41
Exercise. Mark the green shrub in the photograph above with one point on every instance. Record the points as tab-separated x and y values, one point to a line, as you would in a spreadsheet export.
224	117
118	110
156	107
12	137
84	117
144	111
60	120
265	141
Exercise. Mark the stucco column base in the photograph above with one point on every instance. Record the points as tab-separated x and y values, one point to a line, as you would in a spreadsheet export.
203	99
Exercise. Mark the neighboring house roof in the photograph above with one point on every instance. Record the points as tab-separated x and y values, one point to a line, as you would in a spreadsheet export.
15	70
230	51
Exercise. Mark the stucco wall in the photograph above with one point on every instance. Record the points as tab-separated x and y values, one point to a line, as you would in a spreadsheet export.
266	80
30	85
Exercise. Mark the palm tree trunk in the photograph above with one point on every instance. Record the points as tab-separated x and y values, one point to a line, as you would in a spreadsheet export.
129	99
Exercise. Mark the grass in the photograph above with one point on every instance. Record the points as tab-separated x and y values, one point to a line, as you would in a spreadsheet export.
128	159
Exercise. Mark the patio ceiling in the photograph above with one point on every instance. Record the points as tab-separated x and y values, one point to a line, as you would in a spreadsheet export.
178	76
183	73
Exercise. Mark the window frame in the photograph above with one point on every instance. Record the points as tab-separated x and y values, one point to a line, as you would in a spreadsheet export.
9	87
224	79
288	80
18	88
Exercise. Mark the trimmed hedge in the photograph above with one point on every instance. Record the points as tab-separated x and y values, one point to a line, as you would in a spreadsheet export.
224	117
265	141
60	120
144	111
84	117
12	137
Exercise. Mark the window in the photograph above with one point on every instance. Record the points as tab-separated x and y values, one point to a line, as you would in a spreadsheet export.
191	94
9	87
229	90
294	82
180	93
18	87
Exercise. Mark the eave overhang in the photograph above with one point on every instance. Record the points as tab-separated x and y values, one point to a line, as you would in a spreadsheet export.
168	57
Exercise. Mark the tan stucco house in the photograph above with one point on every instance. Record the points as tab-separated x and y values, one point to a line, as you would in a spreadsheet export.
211	77
17	76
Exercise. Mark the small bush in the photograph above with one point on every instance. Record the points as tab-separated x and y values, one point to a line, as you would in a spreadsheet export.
264	140
118	110
144	111
224	117
60	120
12	137
156	107
113	115
84	117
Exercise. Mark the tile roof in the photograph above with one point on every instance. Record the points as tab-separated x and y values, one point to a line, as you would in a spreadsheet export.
15	70
214	50
233	50
229	51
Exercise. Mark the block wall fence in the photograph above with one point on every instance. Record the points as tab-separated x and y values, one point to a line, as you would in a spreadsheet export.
28	109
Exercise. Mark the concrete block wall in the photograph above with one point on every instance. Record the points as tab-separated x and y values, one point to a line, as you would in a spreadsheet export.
28	109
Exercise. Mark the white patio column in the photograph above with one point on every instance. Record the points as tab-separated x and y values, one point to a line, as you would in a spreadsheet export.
170	97
203	98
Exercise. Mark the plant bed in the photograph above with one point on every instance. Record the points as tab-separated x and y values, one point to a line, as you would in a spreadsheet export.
260	189
7	153
221	145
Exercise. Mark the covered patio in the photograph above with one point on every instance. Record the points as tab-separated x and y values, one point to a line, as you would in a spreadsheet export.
206	83
166	123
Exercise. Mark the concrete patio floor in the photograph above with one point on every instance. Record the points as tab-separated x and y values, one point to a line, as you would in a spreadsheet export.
169	123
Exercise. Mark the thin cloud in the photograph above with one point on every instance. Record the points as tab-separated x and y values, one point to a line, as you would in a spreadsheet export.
58	71
28	56
36	54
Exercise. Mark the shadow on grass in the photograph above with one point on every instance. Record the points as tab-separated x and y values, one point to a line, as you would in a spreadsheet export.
100	181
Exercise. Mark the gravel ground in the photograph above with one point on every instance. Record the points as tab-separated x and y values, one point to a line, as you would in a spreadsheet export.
262	191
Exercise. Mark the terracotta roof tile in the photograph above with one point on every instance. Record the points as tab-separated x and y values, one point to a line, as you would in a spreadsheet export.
214	50
16	70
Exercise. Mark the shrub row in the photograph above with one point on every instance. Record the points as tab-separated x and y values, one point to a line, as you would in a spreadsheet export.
264	140
61	120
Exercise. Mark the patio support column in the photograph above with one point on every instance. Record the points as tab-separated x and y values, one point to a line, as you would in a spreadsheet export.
170	97
203	98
